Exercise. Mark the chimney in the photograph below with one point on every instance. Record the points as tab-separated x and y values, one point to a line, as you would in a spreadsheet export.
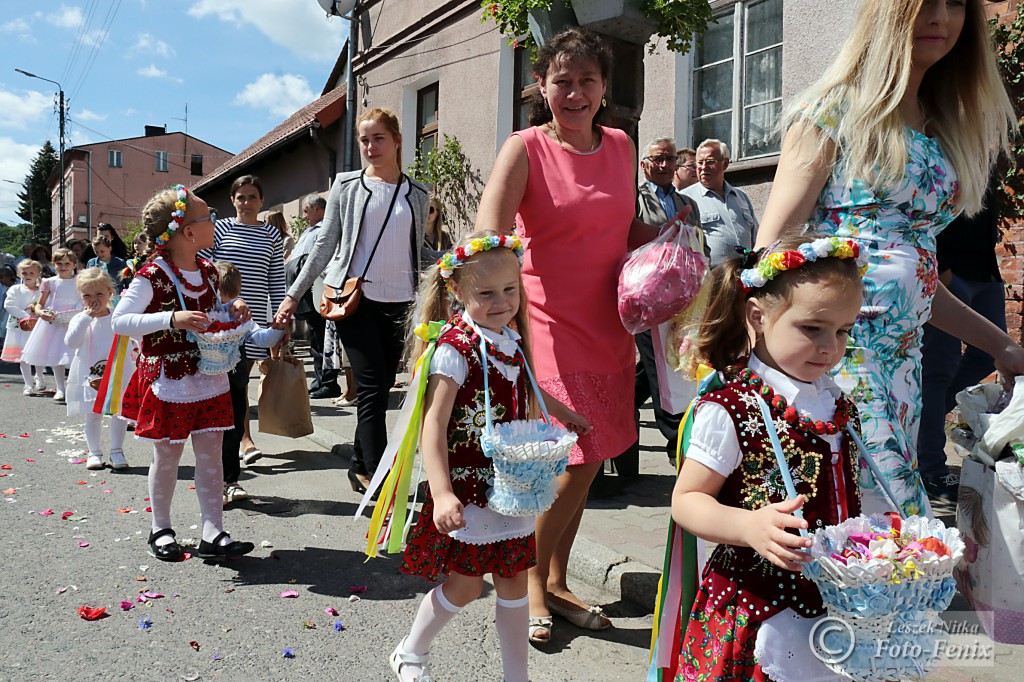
154	131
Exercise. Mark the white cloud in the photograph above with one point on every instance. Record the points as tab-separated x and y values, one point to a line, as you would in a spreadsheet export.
19	110
16	26
298	25
152	71
15	162
280	95
129	111
86	115
66	17
148	44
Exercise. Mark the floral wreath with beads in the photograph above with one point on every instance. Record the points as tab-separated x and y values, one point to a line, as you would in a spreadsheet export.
456	257
764	265
177	216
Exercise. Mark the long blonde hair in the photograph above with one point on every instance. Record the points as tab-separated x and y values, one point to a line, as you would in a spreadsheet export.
962	95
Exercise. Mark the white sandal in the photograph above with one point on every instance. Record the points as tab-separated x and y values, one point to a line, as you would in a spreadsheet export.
538	625
399	658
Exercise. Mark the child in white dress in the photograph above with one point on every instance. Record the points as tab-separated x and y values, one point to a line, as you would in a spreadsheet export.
58	303
20	306
91	336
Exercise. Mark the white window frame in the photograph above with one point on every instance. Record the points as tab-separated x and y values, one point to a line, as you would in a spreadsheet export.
739	56
114	158
410	93
162	161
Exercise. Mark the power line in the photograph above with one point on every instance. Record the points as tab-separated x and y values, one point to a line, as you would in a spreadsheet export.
96	47
153	152
76	46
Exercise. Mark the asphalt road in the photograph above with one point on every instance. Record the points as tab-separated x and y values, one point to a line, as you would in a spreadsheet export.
226	622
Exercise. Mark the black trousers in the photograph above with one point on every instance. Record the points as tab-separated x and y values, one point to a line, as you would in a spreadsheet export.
374	338
238	386
317	329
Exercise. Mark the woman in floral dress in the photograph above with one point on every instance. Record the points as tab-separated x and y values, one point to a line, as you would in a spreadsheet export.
878	151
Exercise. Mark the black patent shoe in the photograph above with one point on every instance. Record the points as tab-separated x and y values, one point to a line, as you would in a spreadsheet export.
945	488
171	551
214	550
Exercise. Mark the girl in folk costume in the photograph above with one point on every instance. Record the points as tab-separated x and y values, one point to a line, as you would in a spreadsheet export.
167	397
58	303
753	612
91	336
457	534
20	305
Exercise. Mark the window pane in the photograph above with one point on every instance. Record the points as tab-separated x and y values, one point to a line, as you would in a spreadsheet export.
764	24
713	127
716	43
428	106
524	68
760	135
763	78
426	144
712	89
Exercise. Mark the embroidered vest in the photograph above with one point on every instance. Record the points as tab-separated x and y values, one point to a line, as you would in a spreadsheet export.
170	349
471	471
758	586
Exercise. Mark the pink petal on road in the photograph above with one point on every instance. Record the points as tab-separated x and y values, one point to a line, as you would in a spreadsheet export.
289	594
46	512
83	544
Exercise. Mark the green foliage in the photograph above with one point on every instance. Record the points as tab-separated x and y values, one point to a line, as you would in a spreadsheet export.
677	20
128	230
298	225
34	199
12	237
1008	34
455	183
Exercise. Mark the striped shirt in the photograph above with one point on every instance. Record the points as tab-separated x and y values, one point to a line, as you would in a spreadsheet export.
258	253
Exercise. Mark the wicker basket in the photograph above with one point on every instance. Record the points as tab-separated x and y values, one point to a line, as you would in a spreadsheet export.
219	351
27	324
528	456
63	318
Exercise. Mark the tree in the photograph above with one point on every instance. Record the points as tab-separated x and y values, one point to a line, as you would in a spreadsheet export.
1008	33
35	195
454	182
12	237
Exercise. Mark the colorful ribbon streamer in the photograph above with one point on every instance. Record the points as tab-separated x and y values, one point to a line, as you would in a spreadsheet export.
108	395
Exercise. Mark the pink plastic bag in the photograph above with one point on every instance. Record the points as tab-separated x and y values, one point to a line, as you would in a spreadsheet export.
662	278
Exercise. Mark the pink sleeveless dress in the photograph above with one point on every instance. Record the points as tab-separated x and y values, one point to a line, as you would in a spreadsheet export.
574	221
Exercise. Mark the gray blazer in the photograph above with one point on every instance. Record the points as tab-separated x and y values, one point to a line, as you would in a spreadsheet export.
342	223
650	210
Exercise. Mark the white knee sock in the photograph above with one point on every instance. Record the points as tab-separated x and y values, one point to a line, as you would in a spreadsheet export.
118	427
93	425
60	378
163	475
434	613
26	374
512	618
210	482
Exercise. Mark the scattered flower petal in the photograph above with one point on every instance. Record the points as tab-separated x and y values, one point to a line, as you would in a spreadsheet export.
127	605
309	625
357	589
6	467
10	491
265	544
46	512
90	613
337	626
353	598
331	611
83	545
122	510
82	483
153	595
145	623
289	594
194	644
61	590
66	515
288	653
32	460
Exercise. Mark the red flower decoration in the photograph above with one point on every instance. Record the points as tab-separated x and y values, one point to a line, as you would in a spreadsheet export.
792	259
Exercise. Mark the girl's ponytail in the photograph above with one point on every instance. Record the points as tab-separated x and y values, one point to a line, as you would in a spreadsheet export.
723	337
431	304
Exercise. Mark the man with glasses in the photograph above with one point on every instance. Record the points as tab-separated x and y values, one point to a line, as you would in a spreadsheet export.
686	169
726	214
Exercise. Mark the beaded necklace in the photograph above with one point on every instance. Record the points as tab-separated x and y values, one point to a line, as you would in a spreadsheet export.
492	350
801	422
194	288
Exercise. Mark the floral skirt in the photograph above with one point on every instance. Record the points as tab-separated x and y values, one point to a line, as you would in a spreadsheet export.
159	420
429	553
718	644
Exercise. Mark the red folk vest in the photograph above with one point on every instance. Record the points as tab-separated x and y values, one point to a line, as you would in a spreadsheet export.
740	573
170	349
471	471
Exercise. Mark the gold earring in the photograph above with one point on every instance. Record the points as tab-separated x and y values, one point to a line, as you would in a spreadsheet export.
604	102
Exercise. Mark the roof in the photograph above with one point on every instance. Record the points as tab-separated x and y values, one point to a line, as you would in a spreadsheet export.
325	111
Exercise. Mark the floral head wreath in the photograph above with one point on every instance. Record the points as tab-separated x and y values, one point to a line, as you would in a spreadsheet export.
177	216
768	265
456	257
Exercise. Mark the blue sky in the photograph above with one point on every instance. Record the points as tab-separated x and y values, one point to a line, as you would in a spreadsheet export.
241	65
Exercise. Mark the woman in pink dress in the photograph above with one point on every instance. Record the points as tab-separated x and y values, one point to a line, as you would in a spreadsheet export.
568	186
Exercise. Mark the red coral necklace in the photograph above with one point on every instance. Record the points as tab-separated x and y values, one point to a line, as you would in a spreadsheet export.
492	350
801	422
194	288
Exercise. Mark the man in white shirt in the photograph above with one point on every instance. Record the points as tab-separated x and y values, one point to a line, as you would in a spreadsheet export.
726	214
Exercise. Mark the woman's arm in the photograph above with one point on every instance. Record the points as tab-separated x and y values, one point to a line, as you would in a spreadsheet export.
276	280
326	243
44	295
505	188
957	319
804	168
440	400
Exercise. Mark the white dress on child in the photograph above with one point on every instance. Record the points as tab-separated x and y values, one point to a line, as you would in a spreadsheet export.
90	338
483	524
46	347
17	302
782	648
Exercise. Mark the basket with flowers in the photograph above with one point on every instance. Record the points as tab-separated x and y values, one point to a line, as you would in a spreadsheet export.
219	343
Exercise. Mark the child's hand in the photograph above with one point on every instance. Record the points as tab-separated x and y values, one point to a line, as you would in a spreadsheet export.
190	319
575	422
448	513
766	533
240	311
47	314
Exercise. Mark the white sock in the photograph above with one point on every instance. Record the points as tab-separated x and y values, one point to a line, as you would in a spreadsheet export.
163	475
434	613
118	427
512	618
210	482
93	425
26	374
60	378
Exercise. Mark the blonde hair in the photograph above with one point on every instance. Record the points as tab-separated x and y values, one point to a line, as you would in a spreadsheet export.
92	278
963	97
156	214
62	253
276	218
26	264
389	120
230	277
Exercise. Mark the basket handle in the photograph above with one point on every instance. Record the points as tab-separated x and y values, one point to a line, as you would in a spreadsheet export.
487	389
780	456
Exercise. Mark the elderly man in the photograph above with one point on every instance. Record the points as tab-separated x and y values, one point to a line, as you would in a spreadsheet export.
726	214
686	169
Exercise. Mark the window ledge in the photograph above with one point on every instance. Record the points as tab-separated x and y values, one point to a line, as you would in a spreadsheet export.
760	163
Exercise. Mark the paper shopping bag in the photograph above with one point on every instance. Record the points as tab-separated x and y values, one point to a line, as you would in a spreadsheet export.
283	398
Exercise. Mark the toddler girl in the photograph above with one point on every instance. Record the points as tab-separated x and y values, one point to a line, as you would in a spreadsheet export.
91	336
20	305
456	533
58	303
167	397
754	611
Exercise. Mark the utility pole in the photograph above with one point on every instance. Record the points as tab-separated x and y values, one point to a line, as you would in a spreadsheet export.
62	111
348	9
